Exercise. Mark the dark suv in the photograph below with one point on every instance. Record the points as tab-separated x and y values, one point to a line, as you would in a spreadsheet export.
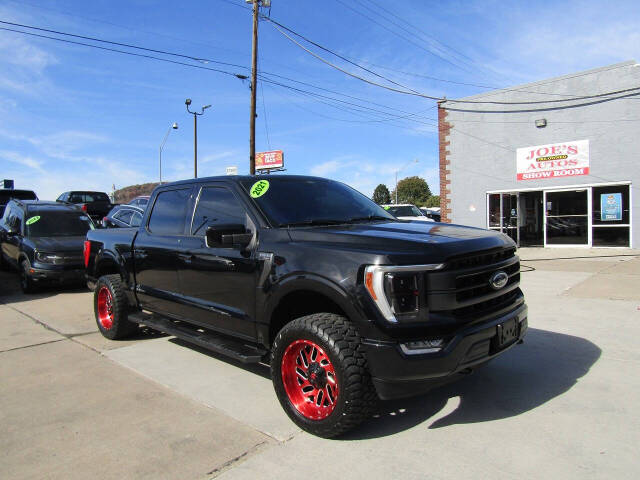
43	241
96	204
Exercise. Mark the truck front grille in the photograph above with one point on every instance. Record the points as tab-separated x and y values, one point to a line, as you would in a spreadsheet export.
462	290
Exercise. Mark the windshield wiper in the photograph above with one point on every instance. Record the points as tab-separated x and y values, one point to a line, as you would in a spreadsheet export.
315	221
369	218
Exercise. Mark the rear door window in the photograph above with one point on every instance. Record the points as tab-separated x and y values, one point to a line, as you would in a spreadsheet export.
169	212
124	215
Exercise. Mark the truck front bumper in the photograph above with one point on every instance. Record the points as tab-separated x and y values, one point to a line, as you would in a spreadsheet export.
397	374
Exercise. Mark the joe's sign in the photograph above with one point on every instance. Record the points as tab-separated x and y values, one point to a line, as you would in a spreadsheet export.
566	159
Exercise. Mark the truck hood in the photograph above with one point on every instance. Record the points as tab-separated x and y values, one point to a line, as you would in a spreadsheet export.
436	240
58	244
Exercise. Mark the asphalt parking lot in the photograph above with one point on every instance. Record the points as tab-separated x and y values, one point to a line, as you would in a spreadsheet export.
562	405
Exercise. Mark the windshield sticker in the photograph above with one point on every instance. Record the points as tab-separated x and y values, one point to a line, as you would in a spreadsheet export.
259	188
33	220
386	208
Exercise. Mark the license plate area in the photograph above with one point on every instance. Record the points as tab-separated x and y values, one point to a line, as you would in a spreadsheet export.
506	333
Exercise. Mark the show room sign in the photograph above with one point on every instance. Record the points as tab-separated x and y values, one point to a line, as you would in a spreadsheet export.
566	159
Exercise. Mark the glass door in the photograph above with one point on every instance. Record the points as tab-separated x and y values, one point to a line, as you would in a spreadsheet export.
566	217
502	213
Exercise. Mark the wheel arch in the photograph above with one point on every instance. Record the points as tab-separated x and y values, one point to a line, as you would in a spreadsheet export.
300	296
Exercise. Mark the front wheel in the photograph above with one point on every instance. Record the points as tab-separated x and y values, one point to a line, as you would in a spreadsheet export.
111	307
320	374
26	282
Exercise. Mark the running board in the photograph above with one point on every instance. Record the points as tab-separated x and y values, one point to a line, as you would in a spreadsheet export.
207	339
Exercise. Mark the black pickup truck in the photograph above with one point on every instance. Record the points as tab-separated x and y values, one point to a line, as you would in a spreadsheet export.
346	302
96	204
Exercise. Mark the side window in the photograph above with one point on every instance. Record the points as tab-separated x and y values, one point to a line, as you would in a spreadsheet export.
169	212
136	220
216	205
76	198
61	198
124	215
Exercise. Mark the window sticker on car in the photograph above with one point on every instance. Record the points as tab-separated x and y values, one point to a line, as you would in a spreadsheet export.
33	220
386	208
259	188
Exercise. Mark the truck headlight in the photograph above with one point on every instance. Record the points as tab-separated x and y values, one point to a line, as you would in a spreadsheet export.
44	257
398	290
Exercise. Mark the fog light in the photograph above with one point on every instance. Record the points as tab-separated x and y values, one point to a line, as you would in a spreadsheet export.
422	346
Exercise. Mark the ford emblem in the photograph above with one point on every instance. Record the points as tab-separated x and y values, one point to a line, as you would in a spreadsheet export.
498	280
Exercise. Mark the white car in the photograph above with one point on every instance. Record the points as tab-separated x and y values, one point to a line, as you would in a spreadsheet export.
406	211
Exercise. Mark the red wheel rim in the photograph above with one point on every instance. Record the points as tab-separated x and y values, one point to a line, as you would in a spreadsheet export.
309	379
105	308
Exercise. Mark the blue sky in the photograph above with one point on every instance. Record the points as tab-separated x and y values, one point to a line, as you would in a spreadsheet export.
73	117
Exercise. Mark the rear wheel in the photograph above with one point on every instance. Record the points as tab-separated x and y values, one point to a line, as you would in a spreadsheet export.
111	307
26	283
320	374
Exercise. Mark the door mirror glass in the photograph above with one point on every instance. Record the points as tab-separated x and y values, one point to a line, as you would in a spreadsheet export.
228	236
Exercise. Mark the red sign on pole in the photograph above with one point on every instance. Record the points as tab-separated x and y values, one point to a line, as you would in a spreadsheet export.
269	160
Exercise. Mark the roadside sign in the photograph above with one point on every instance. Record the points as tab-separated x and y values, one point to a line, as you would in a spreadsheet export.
270	160
232	170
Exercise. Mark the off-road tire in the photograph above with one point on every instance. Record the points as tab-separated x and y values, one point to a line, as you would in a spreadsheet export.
115	325
342	344
26	283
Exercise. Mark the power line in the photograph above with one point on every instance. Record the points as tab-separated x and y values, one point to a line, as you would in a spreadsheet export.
151	57
401	36
353	74
264	110
128	45
418	94
341	57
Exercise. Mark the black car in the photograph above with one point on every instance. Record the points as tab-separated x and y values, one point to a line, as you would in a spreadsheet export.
44	242
345	301
96	204
8	194
140	201
123	216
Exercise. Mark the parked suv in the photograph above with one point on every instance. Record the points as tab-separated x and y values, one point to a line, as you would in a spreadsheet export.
345	302
123	216
140	201
96	204
43	241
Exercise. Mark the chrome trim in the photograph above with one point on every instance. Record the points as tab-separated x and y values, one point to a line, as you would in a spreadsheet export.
418	351
379	271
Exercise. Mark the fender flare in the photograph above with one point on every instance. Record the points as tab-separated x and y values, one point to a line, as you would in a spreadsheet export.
314	283
104	256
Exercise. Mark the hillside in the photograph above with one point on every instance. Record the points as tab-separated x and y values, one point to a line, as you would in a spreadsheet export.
124	195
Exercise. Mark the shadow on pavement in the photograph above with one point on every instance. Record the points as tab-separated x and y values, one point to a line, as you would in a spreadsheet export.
10	291
529	375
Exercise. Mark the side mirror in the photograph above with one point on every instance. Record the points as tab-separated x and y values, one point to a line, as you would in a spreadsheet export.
228	236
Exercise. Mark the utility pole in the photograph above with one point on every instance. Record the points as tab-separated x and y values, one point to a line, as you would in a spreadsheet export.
187	102
254	75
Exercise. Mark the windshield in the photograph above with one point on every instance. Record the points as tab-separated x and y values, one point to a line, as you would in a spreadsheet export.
291	201
48	223
404	211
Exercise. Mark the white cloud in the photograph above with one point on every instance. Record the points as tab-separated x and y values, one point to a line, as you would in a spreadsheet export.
21	159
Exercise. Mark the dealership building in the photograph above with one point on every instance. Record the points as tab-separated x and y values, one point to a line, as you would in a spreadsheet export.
552	163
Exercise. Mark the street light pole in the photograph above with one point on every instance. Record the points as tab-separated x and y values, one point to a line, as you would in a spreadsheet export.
415	160
174	127
187	102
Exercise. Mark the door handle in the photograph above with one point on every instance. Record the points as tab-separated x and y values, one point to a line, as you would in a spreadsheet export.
139	254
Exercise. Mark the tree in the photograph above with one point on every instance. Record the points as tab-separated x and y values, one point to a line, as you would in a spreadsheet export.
434	201
413	190
381	195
